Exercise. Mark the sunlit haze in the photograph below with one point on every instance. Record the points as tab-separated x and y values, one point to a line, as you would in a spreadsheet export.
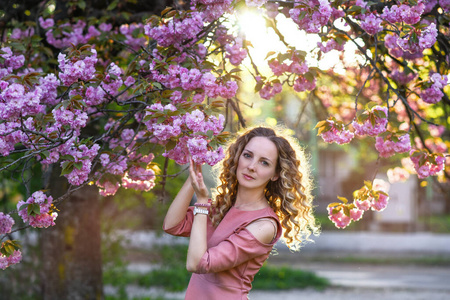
263	39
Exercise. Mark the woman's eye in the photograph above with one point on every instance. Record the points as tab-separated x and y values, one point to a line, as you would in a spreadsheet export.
265	163
246	155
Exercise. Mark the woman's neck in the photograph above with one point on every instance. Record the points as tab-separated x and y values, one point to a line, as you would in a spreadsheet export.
250	199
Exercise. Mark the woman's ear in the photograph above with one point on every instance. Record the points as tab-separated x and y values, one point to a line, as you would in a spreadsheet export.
274	178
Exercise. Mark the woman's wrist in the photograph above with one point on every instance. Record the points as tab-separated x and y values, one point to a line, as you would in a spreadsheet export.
203	200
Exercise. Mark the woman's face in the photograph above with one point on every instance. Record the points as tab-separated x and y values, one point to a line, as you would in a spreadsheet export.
257	163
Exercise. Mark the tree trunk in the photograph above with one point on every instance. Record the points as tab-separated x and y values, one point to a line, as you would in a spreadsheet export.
71	250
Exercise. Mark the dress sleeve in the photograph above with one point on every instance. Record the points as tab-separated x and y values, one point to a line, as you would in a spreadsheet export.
184	227
238	248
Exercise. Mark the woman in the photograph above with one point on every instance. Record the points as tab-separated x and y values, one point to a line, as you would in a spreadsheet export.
264	190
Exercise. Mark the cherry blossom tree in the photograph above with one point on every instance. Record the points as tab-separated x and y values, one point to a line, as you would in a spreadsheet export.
99	92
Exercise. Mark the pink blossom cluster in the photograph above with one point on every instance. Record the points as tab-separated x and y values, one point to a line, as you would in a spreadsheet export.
402	78
445	4
255	3
11	134
235	53
330	45
295	66
10	62
132	35
427	164
318	15
95	95
197	148
340	219
177	32
272	9
133	169
47	23
107	188
434	94
112	81
436	131
390	41
334	132
212	9
389	145
190	131
17	101
19	34
372	199
370	196
73	70
302	84
82	162
397	174
270	89
68	34
426	39
371	23
404	13
202	81
72	118
137	177
372	122
42	219
6	261
6	223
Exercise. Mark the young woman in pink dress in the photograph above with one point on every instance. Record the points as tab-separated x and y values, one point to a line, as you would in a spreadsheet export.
264	193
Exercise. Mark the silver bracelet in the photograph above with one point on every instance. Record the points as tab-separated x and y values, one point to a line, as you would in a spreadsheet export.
198	210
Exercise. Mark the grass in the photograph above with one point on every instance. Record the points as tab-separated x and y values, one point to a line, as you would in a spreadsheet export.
284	278
437	224
174	277
177	279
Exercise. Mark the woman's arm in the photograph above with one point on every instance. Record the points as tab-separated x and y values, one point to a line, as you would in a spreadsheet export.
197	242
179	206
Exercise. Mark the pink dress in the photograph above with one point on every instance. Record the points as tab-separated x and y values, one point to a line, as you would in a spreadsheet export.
232	258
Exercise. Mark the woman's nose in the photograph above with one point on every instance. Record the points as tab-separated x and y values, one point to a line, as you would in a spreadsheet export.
251	166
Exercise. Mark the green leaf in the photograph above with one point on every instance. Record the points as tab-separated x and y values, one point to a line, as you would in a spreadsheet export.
347	211
78	165
67	167
23	206
170	145
33	209
82	5
270	53
343	199
67	157
144	149
112	5
321	123
309	76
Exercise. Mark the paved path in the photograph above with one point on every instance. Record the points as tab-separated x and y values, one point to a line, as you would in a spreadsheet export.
380	276
351	294
348	282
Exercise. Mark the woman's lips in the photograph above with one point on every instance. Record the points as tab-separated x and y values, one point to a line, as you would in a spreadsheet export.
248	177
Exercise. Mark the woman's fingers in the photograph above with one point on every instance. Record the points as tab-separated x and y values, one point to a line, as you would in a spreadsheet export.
198	183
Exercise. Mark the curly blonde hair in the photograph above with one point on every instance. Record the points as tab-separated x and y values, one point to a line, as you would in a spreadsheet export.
289	196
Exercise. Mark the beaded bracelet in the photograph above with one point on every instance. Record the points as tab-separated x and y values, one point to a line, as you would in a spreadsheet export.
203	204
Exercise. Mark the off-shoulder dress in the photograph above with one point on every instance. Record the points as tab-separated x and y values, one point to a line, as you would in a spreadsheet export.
233	255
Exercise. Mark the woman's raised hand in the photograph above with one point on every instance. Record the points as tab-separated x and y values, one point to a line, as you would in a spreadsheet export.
200	189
